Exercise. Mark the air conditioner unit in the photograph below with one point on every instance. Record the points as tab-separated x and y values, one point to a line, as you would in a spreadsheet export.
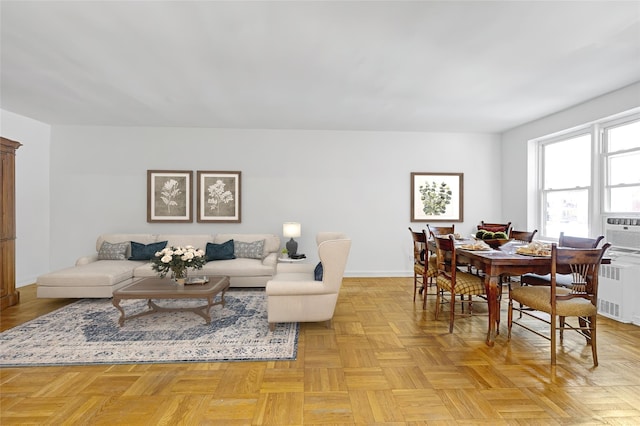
623	232
619	292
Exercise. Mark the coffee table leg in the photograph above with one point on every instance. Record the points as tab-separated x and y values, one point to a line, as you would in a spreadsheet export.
222	296
116	302
207	309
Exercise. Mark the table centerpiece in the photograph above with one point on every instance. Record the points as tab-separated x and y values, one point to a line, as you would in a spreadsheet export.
177	260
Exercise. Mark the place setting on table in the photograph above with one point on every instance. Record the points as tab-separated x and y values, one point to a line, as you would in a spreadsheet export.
484	241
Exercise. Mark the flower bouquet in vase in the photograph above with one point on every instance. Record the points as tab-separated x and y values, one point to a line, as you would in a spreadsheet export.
177	260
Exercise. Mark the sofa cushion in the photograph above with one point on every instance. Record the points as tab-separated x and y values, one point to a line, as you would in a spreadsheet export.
109	251
145	270
239	267
141	251
253	250
100	273
224	251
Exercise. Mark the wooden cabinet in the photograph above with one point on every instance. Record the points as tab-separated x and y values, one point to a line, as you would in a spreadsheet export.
8	295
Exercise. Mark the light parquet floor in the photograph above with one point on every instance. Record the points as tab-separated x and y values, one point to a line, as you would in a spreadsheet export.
385	361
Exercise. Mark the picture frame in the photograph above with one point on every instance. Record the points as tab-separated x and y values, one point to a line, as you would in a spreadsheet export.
219	196
169	196
437	197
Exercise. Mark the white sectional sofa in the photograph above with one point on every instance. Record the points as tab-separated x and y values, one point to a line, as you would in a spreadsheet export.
91	277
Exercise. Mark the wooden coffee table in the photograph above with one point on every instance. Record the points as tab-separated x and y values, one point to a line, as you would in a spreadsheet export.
159	288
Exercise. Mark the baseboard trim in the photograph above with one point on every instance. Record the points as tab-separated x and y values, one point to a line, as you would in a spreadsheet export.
378	274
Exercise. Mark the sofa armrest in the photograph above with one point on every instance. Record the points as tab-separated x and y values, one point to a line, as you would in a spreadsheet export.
270	260
84	260
295	288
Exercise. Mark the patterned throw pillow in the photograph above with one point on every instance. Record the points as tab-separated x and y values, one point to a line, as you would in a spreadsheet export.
109	251
222	251
252	250
141	251
318	272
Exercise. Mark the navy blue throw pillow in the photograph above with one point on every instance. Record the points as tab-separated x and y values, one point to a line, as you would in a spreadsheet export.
141	251
317	273
224	251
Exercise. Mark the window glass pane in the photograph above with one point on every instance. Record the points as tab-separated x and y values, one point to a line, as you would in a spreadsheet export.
624	168
624	137
625	199
568	212
567	164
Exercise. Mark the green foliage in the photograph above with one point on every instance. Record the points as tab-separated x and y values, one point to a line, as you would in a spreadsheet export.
435	198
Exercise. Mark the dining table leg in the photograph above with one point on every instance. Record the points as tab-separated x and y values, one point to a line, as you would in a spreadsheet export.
493	302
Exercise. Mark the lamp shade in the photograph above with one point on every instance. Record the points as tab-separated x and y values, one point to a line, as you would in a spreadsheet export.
291	229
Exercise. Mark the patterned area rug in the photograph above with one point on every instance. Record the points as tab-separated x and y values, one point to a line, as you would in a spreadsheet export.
87	332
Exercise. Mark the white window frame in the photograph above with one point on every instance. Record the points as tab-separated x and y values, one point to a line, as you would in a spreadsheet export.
542	191
605	154
597	195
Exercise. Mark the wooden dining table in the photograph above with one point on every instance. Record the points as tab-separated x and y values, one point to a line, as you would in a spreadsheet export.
494	264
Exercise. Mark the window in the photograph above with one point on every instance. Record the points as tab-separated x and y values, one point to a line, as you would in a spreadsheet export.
566	187
622	163
588	172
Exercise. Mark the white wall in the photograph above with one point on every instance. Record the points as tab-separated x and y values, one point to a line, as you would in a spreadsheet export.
518	185
356	182
32	194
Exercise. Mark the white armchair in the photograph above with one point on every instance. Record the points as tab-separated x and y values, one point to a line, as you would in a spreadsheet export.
293	295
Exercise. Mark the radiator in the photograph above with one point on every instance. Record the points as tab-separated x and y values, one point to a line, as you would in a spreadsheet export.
619	292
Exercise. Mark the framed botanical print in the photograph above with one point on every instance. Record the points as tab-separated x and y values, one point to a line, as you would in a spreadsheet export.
169	196
219	196
437	197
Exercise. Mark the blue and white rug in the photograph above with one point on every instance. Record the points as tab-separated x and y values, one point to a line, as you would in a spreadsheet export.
87	332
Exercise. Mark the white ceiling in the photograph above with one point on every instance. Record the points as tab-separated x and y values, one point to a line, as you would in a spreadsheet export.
344	65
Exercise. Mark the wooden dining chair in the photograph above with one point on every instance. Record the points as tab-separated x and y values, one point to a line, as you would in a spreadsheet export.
563	241
578	242
495	227
441	230
580	300
424	265
522	236
453	281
